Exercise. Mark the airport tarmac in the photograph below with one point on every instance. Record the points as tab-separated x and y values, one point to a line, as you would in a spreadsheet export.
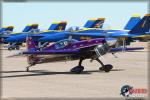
54	80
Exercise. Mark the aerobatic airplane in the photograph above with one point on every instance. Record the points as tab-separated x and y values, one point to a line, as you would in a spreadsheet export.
71	49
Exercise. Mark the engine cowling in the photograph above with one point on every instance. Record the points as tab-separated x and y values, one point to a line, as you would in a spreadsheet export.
101	50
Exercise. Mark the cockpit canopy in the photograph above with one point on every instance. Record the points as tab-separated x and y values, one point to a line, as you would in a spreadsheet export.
73	28
63	43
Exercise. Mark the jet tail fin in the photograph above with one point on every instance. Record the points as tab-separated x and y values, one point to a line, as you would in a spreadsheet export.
8	28
58	26
132	22
34	26
95	23
143	26
30	27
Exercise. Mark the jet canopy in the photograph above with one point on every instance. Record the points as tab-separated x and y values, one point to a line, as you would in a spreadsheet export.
63	43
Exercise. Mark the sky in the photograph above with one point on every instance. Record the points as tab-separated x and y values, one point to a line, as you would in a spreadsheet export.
75	13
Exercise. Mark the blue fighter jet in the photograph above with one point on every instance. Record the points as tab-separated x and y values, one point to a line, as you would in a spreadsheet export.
85	34
27	29
55	29
141	28
20	38
91	24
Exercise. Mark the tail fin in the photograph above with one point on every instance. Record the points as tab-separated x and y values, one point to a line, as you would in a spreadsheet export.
95	23
8	28
58	26
31	46
132	22
143	26
34	26
29	27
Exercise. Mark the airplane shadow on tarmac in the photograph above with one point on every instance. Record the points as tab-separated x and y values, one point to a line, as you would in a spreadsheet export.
44	72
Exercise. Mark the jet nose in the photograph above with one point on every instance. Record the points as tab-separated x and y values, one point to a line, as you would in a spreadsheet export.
111	41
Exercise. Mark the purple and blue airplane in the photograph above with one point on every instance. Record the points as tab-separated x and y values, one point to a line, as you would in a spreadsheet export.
71	49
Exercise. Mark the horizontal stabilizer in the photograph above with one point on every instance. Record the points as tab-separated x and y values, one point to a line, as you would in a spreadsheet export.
125	49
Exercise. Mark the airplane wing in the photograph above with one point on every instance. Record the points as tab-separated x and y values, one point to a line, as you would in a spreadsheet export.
124	35
45	52
142	36
125	49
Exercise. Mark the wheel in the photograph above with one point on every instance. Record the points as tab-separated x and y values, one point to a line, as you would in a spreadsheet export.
106	68
17	47
77	69
109	66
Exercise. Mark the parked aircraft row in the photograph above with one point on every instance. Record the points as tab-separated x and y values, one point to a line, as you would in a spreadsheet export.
92	42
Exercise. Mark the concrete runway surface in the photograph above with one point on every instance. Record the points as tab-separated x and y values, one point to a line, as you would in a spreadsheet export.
54	79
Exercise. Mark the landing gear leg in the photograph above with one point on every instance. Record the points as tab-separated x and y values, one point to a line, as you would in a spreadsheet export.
105	68
30	65
78	69
27	68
